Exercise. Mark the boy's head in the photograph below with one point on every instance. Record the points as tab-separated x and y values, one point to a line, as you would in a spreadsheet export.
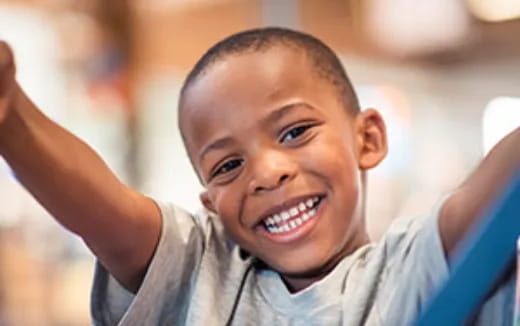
273	129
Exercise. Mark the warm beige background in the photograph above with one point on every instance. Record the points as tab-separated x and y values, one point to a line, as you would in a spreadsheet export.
111	71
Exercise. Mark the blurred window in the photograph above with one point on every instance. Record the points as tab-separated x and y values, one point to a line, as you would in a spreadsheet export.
495	10
501	116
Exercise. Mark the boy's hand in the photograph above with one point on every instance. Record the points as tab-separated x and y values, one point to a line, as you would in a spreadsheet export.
7	81
72	182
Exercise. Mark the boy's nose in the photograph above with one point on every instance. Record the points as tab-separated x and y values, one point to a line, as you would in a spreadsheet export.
271	171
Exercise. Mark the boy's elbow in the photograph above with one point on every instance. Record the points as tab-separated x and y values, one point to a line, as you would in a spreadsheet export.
457	215
127	248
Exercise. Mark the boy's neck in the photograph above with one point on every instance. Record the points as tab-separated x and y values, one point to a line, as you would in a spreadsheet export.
297	283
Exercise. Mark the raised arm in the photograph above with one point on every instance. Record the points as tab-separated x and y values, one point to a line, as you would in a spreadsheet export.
69	179
467	203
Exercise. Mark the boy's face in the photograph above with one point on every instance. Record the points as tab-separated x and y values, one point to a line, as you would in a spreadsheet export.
281	159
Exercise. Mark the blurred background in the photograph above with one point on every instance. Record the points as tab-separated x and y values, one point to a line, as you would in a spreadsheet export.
444	73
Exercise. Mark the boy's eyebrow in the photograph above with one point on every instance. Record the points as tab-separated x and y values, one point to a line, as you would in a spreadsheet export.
273	116
217	144
284	110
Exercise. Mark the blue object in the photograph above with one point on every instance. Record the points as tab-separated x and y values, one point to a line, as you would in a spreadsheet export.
479	262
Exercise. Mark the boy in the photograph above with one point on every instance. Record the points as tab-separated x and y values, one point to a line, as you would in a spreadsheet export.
273	129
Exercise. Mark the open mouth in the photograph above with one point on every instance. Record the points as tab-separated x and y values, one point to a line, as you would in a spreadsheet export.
293	217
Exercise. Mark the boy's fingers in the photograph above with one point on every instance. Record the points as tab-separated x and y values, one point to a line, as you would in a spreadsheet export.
6	55
7	81
6	68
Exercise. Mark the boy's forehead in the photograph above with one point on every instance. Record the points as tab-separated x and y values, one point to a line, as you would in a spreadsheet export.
245	81
248	76
237	88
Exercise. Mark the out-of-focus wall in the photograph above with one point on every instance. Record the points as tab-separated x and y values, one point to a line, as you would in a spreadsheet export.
433	102
46	272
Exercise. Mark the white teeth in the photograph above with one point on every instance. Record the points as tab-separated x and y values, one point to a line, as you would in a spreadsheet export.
292	224
302	207
286	220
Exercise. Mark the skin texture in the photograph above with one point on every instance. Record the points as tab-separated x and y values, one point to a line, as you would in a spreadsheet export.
476	194
7	81
120	225
281	133
302	152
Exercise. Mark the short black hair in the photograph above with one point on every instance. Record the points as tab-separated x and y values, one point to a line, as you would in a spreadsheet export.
323	58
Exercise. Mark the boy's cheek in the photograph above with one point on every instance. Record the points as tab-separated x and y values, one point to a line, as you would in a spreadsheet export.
328	159
227	206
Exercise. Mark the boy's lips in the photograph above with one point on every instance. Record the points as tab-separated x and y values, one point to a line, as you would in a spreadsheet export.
290	220
286	206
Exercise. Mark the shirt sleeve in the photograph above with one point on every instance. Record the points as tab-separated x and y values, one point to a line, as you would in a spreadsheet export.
417	268
167	282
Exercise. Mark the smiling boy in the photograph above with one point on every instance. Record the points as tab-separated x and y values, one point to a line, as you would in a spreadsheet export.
274	131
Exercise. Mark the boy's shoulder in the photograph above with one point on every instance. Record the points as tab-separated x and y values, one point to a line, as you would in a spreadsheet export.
193	259
409	239
206	225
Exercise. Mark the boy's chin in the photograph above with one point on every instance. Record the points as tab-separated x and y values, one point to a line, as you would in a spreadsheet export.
297	280
305	269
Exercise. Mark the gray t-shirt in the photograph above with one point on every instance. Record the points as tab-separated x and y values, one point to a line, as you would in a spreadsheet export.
199	277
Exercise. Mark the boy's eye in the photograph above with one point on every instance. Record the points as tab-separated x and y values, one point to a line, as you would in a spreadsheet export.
226	167
294	133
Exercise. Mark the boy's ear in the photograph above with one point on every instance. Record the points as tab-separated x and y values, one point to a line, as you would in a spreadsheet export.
371	138
206	201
